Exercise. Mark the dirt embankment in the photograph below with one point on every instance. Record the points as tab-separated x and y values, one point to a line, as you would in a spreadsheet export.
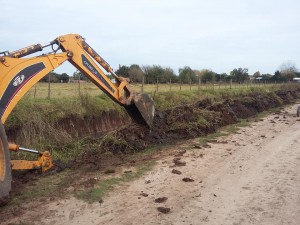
112	131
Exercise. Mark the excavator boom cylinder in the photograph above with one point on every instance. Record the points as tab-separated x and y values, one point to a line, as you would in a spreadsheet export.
25	51
96	56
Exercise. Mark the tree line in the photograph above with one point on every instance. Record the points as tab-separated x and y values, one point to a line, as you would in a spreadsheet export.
56	78
156	73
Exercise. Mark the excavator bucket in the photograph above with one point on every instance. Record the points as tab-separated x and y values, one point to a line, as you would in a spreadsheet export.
141	109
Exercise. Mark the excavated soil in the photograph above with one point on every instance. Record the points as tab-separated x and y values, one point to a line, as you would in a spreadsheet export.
182	122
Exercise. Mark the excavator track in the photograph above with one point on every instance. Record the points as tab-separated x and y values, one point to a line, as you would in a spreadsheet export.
5	168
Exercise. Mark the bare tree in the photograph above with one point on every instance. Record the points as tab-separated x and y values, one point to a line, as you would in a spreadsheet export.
288	69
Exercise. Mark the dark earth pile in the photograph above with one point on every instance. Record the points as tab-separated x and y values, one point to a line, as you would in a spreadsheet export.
188	121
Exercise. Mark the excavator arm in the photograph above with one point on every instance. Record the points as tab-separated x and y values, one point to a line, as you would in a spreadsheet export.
19	73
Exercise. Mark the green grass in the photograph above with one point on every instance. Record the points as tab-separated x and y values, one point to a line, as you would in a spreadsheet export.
46	187
234	128
104	186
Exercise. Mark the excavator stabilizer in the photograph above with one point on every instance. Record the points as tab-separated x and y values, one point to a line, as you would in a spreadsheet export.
141	109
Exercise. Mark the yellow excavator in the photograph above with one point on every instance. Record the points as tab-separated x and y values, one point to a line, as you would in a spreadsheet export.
19	74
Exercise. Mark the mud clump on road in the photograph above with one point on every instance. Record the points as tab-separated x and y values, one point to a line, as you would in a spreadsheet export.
163	210
176	172
161	199
177	162
187	179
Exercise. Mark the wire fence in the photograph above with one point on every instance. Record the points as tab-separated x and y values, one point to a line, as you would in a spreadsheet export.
65	90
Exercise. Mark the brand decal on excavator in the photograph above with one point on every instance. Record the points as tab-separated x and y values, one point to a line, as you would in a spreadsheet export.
90	67
18	80
17	83
94	71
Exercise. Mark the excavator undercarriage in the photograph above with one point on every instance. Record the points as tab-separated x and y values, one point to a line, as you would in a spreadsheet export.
19	73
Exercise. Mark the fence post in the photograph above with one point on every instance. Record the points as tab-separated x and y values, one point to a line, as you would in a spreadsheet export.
79	86
34	94
48	86
190	84
157	85
170	84
230	83
143	81
180	85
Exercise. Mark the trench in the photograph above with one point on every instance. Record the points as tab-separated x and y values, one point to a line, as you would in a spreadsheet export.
114	132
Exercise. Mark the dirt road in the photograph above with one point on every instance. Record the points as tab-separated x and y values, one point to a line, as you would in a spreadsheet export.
250	177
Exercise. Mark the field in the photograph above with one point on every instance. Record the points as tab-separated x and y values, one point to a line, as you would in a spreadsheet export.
64	90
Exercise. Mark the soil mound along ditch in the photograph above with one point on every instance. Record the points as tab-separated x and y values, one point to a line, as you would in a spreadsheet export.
112	132
188	121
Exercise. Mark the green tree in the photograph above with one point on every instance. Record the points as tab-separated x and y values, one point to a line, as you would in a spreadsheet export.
186	75
63	78
208	76
158	73
256	74
52	77
77	75
221	77
123	71
266	77
239	75
278	77
169	75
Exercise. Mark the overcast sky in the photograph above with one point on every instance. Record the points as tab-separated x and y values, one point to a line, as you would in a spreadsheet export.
204	34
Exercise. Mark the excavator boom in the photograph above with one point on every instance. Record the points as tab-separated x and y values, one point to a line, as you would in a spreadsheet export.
18	75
